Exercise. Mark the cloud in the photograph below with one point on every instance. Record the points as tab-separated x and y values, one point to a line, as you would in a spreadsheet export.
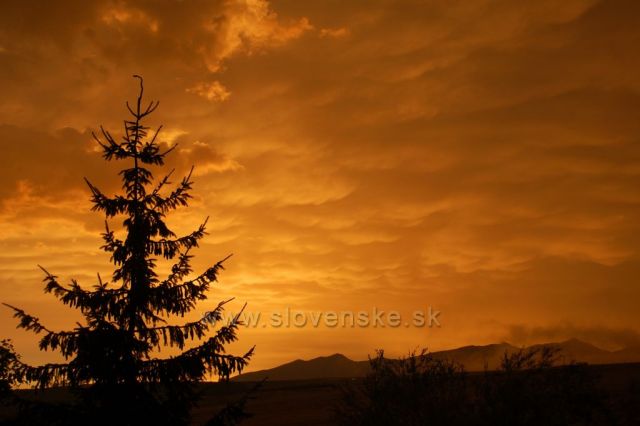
214	91
334	32
178	48
606	336
207	159
56	163
248	26
479	157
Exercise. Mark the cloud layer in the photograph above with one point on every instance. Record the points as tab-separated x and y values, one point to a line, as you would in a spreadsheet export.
483	158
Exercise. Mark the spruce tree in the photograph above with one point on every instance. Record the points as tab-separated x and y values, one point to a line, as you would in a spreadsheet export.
112	358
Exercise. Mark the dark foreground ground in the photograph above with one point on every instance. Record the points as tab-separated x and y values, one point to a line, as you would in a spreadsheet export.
308	402
312	402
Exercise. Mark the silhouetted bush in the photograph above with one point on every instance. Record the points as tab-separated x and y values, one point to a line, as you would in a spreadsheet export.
529	388
415	390
8	359
532	388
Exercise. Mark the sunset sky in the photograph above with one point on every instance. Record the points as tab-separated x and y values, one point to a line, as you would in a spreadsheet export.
481	157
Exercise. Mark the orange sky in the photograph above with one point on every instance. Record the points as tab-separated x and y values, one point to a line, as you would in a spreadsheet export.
481	157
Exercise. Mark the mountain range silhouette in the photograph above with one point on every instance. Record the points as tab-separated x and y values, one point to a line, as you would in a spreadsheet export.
473	358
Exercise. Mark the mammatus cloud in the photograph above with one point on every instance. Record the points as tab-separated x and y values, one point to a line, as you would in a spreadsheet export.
58	161
177	46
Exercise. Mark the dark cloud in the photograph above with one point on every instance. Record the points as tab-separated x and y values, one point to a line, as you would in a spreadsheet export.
52	165
48	164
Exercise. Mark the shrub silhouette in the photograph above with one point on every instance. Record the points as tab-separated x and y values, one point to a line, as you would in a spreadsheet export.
414	390
111	357
529	388
533	388
8	361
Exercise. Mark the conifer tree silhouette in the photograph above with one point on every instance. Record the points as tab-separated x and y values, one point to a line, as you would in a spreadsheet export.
112	358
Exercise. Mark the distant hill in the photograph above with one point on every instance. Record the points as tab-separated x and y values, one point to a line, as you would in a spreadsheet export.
474	358
325	367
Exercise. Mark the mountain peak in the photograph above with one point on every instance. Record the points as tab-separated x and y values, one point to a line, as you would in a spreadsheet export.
336	356
574	343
